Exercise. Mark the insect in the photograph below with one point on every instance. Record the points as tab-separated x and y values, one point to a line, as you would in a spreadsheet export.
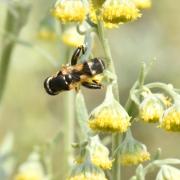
72	76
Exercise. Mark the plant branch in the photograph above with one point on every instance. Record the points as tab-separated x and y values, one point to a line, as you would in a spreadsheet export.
14	24
116	173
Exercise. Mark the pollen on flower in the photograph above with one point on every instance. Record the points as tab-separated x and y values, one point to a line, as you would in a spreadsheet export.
108	119
134	158
87	171
102	162
70	11
99	154
151	110
131	151
143	4
170	120
93	17
88	176
120	13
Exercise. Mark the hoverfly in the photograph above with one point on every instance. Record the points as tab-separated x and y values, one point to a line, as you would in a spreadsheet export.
72	76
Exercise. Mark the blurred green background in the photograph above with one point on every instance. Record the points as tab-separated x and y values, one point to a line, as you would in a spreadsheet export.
34	117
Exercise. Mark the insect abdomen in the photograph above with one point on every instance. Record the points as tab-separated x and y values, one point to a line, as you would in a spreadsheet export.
53	85
93	67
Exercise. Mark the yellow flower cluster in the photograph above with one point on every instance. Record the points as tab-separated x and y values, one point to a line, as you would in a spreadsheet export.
131	151
111	12
102	161
110	116
120	13
87	171
99	154
114	13
109	120
70	11
151	109
158	108
170	120
134	158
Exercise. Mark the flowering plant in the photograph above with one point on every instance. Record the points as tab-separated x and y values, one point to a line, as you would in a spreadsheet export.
82	24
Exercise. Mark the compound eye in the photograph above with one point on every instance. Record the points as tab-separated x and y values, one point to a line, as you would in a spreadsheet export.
54	85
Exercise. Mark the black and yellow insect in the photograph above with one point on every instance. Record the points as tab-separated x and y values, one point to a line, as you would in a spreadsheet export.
73	75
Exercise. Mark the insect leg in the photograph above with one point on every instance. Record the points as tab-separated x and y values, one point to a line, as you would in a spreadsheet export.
76	54
91	85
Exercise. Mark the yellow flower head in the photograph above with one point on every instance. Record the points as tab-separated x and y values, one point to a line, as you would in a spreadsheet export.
47	30
70	11
151	109
31	169
72	38
110	116
168	173
99	154
119	11
93	17
143	4
170	120
87	171
132	152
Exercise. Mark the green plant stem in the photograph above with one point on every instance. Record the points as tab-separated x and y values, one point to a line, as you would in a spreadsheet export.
166	88
116	172
69	114
13	25
68	129
82	116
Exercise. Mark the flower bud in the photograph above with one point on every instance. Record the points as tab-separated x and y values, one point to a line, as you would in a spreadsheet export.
93	17
168	173
99	153
119	11
170	120
132	152
69	11
31	169
151	109
87	171
110	116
